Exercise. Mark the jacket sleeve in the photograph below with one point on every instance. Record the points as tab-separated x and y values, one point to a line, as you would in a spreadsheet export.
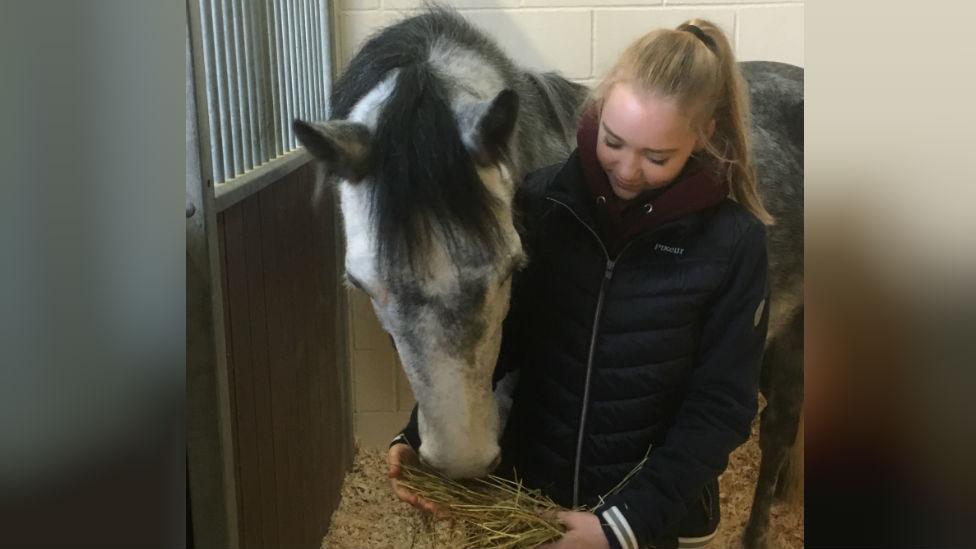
717	412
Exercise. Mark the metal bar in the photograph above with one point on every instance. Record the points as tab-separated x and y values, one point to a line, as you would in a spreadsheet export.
320	62
267	36
251	66
296	7
233	103
330	50
209	435
274	39
328	54
331	22
242	91
222	105
314	87
289	72
293	47
257	179
284	87
210	136
313	37
335	33
303	56
261	81
246	71
296	52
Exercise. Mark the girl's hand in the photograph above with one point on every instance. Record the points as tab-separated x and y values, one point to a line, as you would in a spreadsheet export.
583	531
404	454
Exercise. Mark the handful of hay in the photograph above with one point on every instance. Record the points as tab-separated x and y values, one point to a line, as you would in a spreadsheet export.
496	513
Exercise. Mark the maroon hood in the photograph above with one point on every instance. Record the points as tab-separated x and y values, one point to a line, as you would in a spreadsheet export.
697	187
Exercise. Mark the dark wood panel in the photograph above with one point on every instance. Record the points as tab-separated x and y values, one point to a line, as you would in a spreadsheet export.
293	440
238	337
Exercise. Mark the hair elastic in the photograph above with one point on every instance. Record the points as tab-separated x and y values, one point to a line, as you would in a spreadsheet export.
706	39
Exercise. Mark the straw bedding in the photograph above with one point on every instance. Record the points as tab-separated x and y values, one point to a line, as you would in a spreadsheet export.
370	517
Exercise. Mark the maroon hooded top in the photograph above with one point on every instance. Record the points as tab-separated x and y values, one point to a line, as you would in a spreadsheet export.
696	187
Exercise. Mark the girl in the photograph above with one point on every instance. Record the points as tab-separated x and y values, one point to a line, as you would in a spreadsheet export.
638	325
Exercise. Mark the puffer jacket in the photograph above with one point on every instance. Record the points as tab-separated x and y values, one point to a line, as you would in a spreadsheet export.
653	353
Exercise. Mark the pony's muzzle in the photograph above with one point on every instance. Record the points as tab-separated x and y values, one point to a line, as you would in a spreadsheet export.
464	469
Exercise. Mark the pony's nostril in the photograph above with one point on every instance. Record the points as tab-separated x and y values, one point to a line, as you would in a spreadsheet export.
495	463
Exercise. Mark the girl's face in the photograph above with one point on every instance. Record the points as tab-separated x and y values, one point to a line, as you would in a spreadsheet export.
643	141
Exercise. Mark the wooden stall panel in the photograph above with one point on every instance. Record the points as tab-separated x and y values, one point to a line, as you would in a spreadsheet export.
293	439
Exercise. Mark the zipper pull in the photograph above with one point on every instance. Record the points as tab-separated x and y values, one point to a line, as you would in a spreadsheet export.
609	272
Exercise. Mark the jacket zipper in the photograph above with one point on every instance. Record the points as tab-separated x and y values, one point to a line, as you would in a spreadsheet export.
607	275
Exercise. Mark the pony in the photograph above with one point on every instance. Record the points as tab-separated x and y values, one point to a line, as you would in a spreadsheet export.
432	128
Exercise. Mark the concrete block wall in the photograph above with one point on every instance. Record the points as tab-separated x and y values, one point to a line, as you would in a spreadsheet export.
579	38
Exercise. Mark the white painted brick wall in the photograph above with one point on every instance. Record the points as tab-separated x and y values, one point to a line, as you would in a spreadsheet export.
579	38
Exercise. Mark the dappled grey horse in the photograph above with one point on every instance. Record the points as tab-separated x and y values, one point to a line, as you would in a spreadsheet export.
431	130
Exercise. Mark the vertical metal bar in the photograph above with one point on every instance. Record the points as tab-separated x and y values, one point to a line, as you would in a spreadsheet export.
264	94
275	55
212	135
296	7
289	72
319	62
199	47
322	46
233	102
306	66
313	87
313	35
242	92
327	54
272	74
246	71
220	101
259	45
295	46
251	67
283	86
272	92
296	59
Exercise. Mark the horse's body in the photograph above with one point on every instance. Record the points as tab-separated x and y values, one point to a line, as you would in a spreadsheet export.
432	129
776	98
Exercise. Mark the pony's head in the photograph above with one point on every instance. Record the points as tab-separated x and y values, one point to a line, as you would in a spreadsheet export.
426	187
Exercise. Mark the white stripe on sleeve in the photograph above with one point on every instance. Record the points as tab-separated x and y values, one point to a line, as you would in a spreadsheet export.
620	527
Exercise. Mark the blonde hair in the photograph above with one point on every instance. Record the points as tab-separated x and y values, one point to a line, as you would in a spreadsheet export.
694	65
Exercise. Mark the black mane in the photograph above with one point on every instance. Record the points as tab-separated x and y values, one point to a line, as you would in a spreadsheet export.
424	180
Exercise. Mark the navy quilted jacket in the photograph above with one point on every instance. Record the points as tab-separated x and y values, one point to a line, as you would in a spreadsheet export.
659	347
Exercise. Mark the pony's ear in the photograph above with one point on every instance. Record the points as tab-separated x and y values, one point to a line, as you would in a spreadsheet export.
342	145
487	126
